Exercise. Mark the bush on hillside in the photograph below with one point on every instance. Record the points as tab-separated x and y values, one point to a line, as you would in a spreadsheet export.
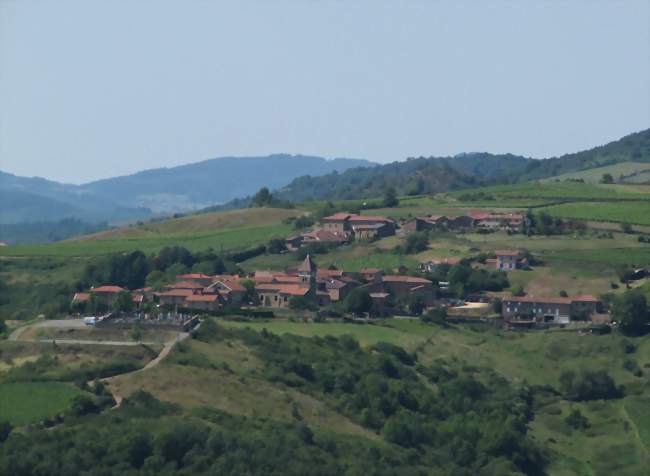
589	385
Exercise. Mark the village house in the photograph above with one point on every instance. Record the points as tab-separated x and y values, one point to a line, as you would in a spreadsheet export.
416	224
229	290
362	227
510	222
106	293
338	289
175	297
460	222
203	302
432	222
399	287
557	310
317	236
508	260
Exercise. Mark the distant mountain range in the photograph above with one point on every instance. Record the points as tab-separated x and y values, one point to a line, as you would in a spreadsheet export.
156	191
229	180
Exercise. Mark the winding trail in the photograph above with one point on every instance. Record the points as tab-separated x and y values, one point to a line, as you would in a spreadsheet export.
70	323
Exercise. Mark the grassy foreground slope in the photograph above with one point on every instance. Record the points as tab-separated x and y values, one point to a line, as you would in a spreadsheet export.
233	375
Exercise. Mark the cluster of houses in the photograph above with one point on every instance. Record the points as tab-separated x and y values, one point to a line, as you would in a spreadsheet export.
343	228
274	289
508	222
320	287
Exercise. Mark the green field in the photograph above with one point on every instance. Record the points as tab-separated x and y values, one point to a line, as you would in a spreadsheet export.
28	402
569	191
366	334
630	212
594	175
226	240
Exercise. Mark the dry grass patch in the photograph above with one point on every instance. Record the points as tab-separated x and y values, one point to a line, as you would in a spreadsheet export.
225	391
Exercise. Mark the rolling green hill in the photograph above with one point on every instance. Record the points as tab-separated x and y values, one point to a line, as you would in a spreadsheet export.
623	172
442	174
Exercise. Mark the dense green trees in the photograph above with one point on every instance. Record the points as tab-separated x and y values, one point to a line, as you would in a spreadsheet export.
414	243
607	178
438	418
358	302
589	384
123	302
631	311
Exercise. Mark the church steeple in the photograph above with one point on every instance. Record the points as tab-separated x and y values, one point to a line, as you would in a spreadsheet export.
307	273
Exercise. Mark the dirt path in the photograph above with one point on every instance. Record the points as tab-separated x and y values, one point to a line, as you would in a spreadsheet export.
68	323
169	345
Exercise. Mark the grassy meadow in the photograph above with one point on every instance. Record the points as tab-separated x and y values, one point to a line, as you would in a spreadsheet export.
28	402
595	175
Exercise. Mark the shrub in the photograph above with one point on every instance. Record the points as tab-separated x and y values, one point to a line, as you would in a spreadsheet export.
302	303
577	420
589	385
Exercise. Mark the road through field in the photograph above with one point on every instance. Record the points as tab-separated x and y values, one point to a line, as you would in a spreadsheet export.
78	323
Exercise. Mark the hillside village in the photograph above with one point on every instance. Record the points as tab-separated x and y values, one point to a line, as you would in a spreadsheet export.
306	288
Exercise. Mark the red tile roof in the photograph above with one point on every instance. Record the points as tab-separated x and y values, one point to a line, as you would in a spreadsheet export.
107	289
325	235
340	216
329	273
291	289
586	298
81	297
202	298
232	285
177	293
186	285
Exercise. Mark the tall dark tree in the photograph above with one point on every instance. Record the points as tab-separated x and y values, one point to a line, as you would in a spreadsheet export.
390	197
358	302
262	198
631	311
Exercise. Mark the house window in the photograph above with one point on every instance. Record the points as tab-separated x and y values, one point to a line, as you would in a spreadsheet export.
275	298
285	299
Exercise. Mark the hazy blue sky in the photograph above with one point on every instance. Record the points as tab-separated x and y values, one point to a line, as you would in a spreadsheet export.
93	89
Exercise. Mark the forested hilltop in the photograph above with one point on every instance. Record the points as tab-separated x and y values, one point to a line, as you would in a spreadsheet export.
441	174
